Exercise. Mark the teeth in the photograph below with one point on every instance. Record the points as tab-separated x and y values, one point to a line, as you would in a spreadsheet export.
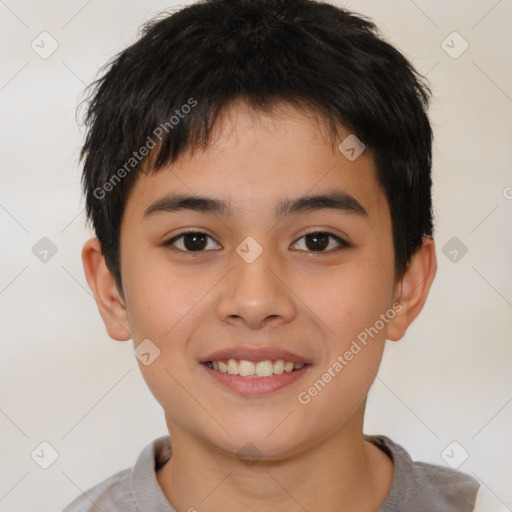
279	367
245	368
262	369
232	367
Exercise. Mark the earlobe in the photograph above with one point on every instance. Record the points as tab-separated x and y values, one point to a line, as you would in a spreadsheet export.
413	289
108	299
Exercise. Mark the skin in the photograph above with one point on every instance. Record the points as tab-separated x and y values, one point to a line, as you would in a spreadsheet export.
314	303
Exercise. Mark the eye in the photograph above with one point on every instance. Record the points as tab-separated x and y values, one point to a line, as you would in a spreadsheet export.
197	241
318	241
190	241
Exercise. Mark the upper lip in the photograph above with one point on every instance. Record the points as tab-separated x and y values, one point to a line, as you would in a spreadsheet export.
254	354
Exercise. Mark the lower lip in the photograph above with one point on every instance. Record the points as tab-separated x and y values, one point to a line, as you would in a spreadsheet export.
256	386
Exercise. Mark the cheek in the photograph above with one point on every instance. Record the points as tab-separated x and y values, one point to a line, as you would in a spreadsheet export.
159	297
354	344
354	306
352	298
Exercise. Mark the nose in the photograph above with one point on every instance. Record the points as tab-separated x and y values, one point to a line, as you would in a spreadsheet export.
258	294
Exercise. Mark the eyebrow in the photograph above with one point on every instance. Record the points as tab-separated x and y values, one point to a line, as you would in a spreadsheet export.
334	200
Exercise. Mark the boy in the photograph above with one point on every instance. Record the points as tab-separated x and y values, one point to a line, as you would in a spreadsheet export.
257	173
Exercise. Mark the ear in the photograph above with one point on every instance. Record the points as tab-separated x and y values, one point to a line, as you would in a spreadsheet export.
108	299
412	291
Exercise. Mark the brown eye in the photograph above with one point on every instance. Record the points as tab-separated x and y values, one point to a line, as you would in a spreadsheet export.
320	241
317	241
192	241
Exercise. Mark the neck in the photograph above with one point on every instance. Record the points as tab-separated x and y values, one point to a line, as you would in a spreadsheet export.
342	473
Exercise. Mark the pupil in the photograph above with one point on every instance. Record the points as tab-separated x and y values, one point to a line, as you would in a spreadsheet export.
314	241
321	241
198	241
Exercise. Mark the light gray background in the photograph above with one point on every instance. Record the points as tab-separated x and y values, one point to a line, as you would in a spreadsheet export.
65	382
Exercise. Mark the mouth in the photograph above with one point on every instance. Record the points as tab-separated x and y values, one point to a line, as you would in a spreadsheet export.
254	369
254	378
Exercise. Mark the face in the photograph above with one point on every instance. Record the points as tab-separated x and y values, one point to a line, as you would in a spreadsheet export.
258	275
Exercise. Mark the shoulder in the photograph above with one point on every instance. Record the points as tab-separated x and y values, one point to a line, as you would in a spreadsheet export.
111	495
449	487
423	486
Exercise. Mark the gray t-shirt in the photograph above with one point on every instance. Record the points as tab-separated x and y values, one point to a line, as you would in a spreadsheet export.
416	486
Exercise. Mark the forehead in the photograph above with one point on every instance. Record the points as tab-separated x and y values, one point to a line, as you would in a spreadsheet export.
255	158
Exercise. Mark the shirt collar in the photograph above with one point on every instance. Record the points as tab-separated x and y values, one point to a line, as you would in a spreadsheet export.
147	493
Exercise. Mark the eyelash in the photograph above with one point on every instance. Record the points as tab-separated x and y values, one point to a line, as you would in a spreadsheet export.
343	244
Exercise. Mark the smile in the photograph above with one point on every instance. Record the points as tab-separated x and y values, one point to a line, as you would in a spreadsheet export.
244	368
253	379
